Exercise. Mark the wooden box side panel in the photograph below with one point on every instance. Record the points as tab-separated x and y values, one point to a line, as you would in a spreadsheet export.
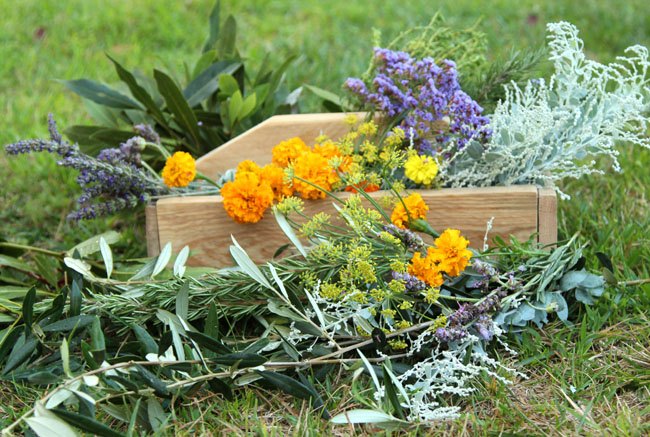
256	144
202	223
547	216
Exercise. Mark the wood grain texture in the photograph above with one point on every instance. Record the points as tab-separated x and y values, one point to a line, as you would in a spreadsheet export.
256	143
203	225
151	228
547	216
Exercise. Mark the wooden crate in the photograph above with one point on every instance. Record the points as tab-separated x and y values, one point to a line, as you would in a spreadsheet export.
202	223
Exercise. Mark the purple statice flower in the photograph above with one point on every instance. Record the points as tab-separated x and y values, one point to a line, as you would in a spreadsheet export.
426	96
412	283
469	316
410	239
111	182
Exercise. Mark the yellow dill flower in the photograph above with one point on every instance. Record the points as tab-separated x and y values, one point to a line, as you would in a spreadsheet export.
421	169
451	252
426	270
315	224
397	286
287	151
372	311
290	204
398	265
416	208
351	119
403	324
389	238
362	332
309	279
246	198
439	322
395	138
431	295
368	128
369	152
248	166
180	170
405	305
397	344
330	291
359	297
378	294
314	168
390	313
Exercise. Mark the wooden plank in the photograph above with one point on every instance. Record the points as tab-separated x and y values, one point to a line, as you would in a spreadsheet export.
202	223
256	143
151	228
547	216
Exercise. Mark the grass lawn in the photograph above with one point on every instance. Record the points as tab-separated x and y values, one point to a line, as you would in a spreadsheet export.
593	378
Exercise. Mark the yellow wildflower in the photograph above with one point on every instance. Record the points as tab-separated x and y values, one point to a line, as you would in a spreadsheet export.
315	170
431	295
287	151
390	313
405	305
403	324
421	169
451	252
246	198
416	208
439	322
290	204
180	170
397	344
351	119
330	291
368	128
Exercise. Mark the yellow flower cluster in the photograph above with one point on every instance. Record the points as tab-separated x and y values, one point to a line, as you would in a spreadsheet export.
179	170
421	169
412	208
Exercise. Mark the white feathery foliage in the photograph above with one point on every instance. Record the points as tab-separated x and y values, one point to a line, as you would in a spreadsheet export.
549	131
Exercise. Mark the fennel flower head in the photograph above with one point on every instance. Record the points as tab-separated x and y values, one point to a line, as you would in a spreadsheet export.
180	170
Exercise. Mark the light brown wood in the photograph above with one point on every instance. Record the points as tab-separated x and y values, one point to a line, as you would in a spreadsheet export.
202	223
547	216
256	144
151	228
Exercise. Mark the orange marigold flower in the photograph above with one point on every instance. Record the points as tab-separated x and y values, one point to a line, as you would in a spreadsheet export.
247	197
248	166
451	252
287	151
426	269
364	185
180	170
313	168
414	205
274	175
329	150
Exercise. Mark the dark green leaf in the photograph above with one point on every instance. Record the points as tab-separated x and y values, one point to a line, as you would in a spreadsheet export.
101	94
177	105
219	386
8	341
139	92
110	137
152	381
211	328
211	343
76	322
391	394
75	295
14	263
85	423
87	353
317	400
149	345
21	351
207	82
86	408
605	261
28	309
294	388
227	38
215	21
242	360
97	341
257	346
44	377
182	300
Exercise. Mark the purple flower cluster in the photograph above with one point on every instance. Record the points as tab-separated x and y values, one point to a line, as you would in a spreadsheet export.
427	96
111	182
470	316
412	283
410	239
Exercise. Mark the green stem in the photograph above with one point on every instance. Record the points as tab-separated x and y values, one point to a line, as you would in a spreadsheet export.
203	177
31	249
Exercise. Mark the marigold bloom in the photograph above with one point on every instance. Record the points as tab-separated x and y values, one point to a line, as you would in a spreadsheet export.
274	175
247	197
287	151
364	185
180	170
329	150
421	169
416	208
314	168
426	269
451	252
248	166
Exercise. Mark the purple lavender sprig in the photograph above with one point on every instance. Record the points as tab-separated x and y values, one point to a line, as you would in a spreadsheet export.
111	182
424	94
470	316
410	239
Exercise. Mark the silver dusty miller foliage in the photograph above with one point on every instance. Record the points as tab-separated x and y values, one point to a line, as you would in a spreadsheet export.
549	131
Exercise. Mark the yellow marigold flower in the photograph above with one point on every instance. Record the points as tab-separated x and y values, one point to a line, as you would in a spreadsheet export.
426	269
451	252
246	198
248	166
421	169
416	208
287	151
314	168
180	170
274	175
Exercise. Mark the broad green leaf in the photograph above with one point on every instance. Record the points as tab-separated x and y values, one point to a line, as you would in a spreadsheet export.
86	423
177	105
152	381
58	398
182	300
14	263
247	106
363	416
215	21
149	345
107	256
103	115
162	260
208	342
208	81
91	245
100	93
181	259
234	107
22	350
227	38
79	266
228	85
156	414
76	322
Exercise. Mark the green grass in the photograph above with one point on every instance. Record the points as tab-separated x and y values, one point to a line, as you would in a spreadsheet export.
589	379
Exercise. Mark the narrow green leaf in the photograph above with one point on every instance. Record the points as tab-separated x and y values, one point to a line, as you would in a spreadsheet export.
28	309
177	105
107	256
44	377
100	93
86	351
363	416
208	342
48	427
289	232
288	385
247	106
182	300
14	263
326	95
85	423
79	266
22	350
149	345
207	82
391	394
162	260
227	38
97	340
76	322
181	259
134	418
152	381
215	21
219	386
234	107
242	360
247	265
65	357
75	296
9	341
156	414
211	327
